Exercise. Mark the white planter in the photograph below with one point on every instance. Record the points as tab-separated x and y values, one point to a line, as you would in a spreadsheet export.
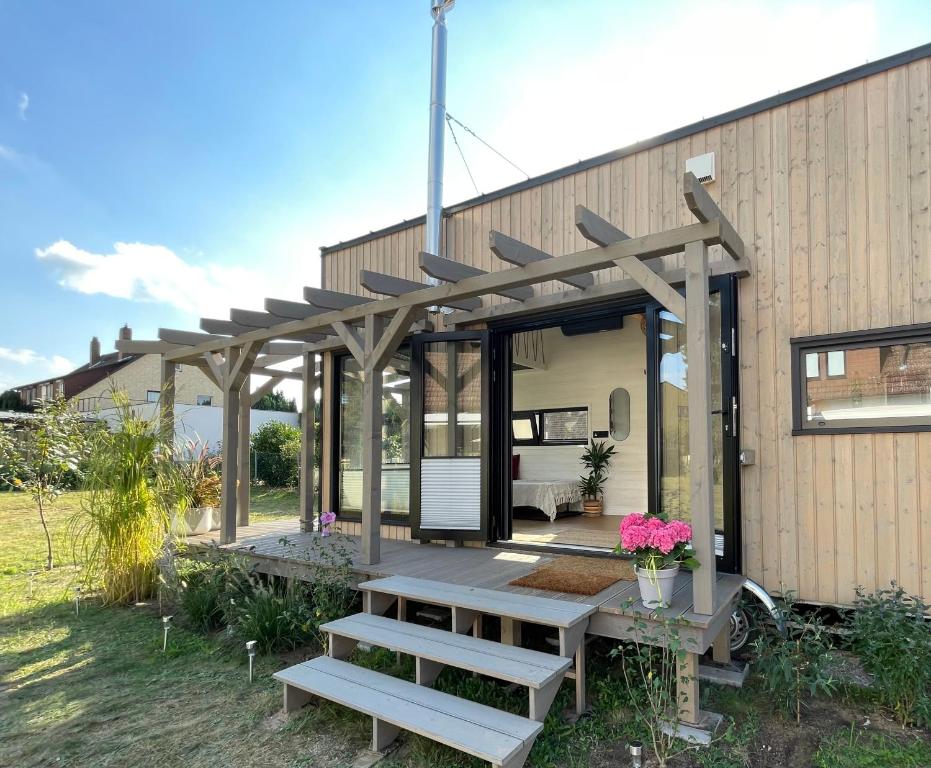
656	586
203	519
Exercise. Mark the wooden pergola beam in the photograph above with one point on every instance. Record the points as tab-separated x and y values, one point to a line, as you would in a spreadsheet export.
308	443
515	252
389	285
324	299
596	229
291	310
454	271
704	208
645	247
142	347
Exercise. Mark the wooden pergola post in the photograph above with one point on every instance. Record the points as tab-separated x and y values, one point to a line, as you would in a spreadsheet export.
233	376
308	440
244	463
701	462
166	401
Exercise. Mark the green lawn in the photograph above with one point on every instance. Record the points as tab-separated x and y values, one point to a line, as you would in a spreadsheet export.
274	503
95	689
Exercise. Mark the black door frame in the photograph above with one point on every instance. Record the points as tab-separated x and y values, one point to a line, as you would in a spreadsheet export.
502	397
418	342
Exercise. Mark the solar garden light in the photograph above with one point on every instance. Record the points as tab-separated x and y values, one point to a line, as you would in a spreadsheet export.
32	584
77	601
250	649
166	625
636	753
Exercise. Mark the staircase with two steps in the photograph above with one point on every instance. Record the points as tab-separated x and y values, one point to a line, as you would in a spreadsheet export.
501	738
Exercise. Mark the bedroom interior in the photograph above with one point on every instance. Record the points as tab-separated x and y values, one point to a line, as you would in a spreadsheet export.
572	383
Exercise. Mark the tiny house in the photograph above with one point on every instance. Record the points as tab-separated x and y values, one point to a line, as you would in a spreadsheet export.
820	356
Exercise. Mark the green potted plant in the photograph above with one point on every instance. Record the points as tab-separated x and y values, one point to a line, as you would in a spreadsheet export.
597	460
198	489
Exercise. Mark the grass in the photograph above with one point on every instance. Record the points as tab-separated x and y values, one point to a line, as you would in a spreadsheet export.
274	503
96	689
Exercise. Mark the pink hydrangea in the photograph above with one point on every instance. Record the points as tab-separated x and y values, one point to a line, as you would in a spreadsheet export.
639	532
326	520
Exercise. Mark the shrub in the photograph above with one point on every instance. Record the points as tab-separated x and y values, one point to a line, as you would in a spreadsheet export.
798	665
277	447
891	635
276	613
122	527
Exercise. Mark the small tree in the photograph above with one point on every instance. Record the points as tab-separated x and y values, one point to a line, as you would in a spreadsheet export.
11	401
44	458
276	401
277	447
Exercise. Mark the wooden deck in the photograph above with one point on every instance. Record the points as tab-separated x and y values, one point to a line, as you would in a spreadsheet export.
619	606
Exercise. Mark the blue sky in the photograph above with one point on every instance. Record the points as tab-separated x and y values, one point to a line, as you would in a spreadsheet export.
164	161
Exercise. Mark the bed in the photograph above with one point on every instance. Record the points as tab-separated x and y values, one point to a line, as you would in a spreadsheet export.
551	497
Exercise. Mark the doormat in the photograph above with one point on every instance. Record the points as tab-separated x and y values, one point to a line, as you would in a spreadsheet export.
578	575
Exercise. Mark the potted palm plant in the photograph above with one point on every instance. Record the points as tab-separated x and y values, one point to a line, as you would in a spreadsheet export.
597	460
198	489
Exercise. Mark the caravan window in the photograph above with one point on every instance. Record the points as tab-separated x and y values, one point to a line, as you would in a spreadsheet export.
551	426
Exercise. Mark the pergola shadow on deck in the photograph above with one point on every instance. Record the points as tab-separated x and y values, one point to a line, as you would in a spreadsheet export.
371	330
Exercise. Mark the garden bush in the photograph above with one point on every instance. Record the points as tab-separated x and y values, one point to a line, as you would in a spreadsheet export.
277	448
891	634
798	665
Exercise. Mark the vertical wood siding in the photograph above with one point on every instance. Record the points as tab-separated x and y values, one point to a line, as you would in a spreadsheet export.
833	194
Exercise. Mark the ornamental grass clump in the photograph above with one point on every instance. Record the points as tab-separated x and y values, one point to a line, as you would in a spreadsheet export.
122	527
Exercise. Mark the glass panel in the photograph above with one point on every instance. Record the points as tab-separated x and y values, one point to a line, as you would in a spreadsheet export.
565	426
812	368
882	385
452	394
674	426
395	477
523	428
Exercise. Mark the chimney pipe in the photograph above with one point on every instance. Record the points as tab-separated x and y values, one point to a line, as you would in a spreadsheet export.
126	334
95	350
437	128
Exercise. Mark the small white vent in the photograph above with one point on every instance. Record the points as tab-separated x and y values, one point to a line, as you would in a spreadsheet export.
702	166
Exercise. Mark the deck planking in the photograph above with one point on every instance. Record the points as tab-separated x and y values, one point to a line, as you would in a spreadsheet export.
619	606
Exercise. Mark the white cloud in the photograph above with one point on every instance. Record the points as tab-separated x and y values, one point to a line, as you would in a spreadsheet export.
22	105
55	365
156	274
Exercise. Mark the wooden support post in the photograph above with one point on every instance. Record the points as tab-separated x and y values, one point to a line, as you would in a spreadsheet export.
308	441
698	380
230	472
687	689
383	734
721	650
245	465
510	631
371	447
167	401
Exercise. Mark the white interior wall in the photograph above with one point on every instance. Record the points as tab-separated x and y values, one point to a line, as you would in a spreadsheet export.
583	370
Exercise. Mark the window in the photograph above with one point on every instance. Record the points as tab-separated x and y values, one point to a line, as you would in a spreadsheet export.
550	426
205	400
152	395
870	381
619	414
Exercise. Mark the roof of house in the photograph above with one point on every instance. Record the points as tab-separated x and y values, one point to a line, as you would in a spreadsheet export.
857	73
88	374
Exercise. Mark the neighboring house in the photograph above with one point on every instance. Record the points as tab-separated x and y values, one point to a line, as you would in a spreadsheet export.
198	400
91	386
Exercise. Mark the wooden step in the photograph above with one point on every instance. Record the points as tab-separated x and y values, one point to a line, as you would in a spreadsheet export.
499	737
434	649
536	610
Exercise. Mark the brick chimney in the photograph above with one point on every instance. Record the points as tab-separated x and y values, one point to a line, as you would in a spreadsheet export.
126	334
95	350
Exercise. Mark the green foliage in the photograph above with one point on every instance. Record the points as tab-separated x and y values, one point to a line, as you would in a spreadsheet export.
197	478
200	590
277	447
651	665
122	527
596	458
891	634
275	613
796	666
11	401
276	401
854	749
44	457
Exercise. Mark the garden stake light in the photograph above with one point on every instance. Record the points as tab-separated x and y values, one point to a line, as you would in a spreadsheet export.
166	623
32	584
77	601
636	754
250	649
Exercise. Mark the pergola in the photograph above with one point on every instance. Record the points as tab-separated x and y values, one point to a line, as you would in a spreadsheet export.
372	329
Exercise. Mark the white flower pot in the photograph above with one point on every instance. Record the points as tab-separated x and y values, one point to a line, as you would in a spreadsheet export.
656	586
203	519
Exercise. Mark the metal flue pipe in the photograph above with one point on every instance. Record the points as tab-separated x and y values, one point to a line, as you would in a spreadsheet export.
438	9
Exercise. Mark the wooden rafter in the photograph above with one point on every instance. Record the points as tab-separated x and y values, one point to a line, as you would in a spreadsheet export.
515	252
454	271
704	209
333	299
389	285
291	310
